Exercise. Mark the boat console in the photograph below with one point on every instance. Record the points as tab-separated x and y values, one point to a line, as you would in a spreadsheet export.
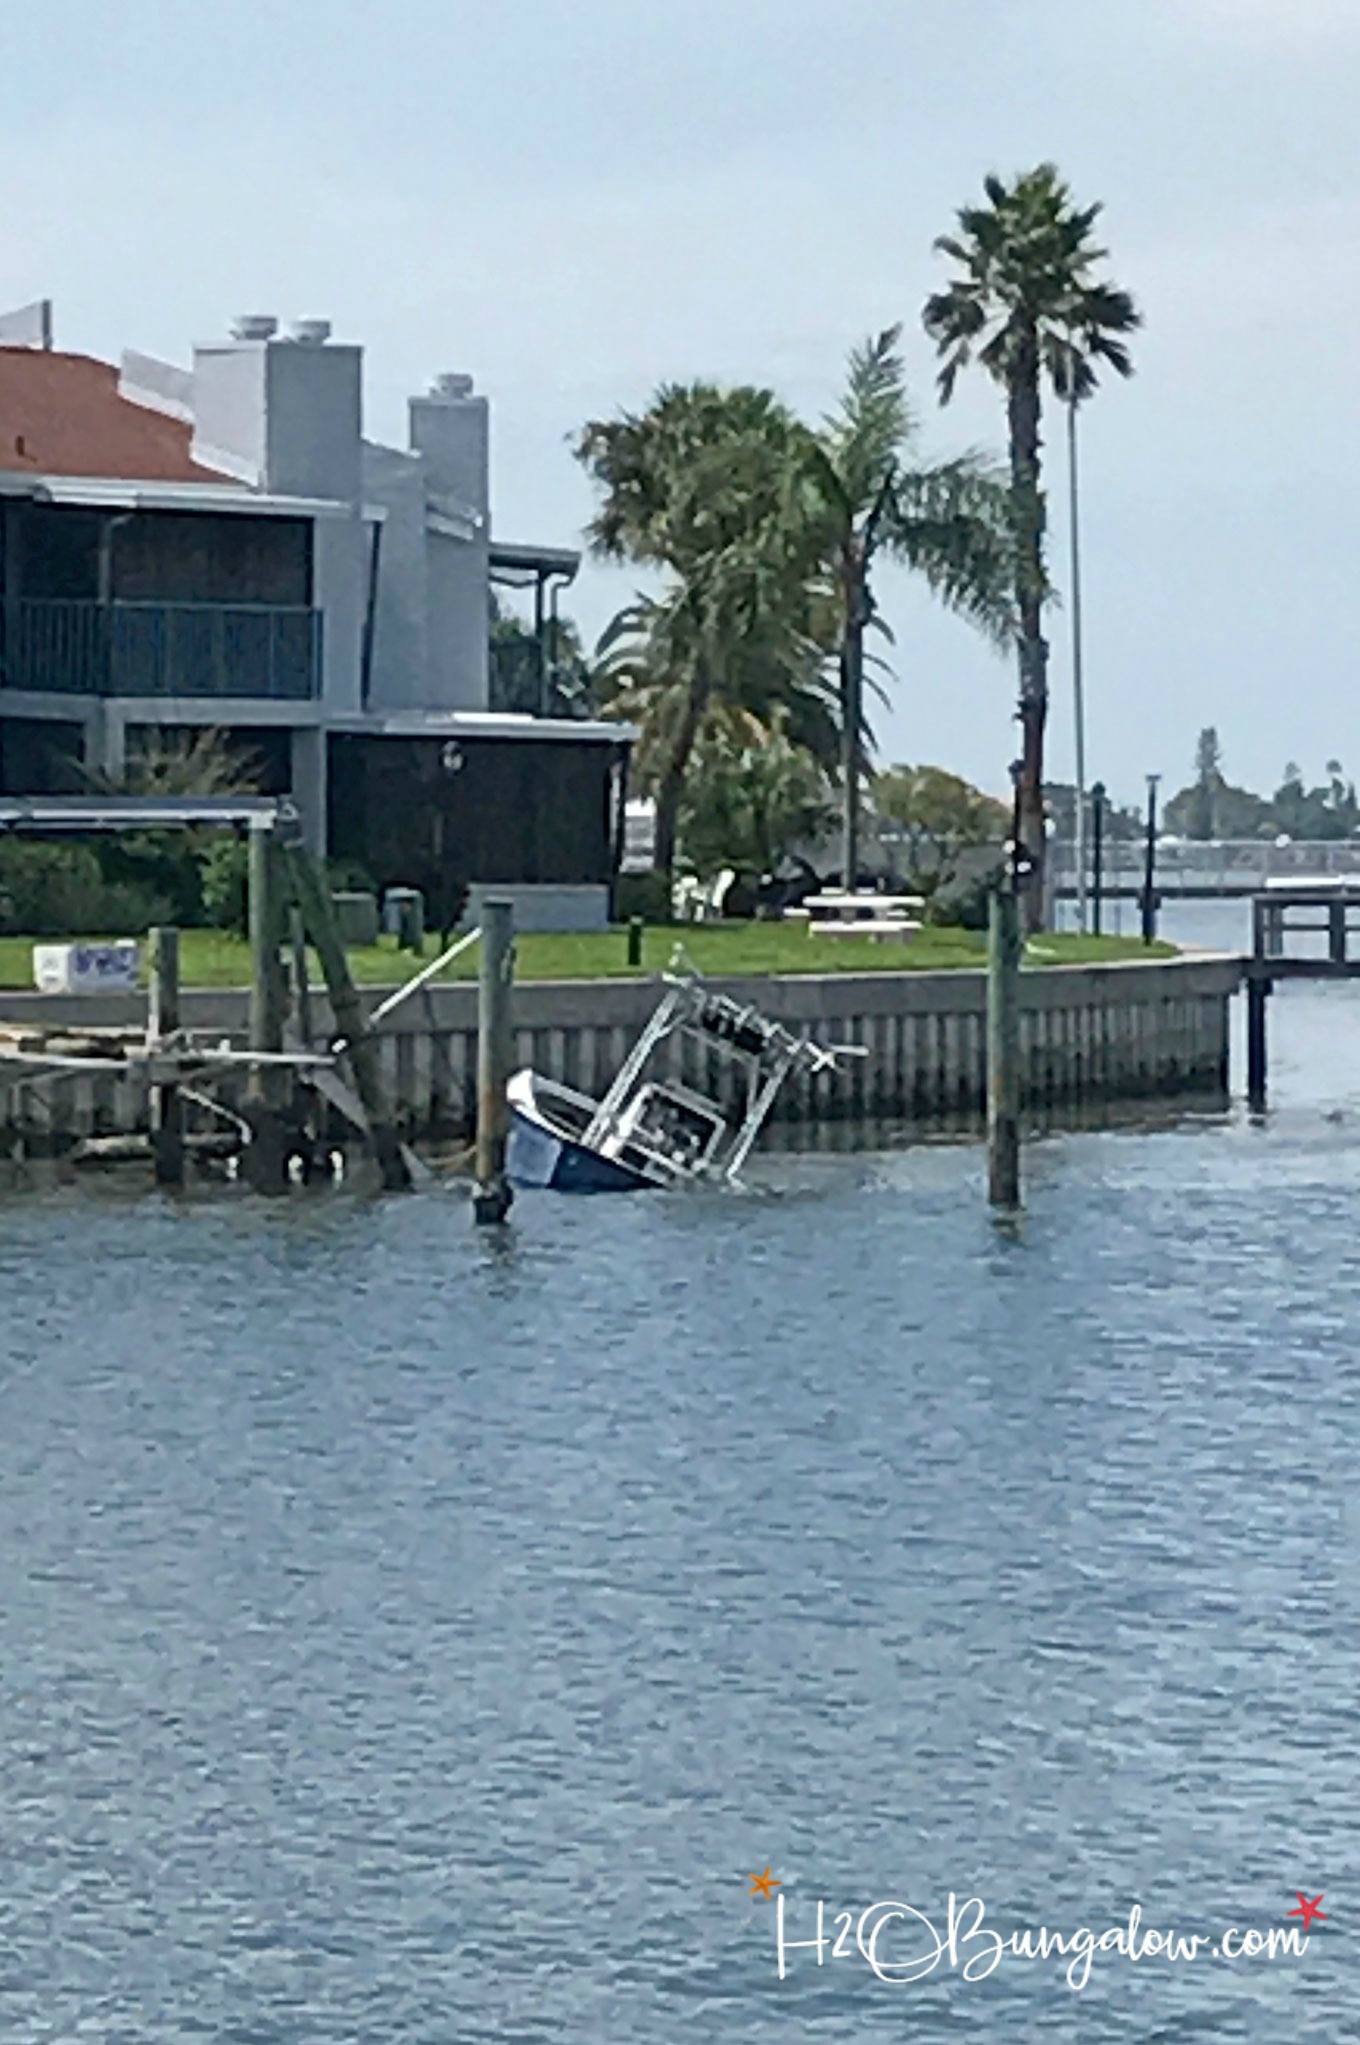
675	1127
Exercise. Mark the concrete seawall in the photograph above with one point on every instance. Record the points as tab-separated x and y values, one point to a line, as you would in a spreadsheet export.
1128	1031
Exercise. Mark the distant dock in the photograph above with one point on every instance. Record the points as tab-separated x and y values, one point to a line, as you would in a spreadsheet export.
1280	912
1209	870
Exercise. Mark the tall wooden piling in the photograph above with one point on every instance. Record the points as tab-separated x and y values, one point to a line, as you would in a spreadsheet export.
265	913
1005	950
360	1048
1258	992
266	1158
167	1105
495	1050
1336	931
302	988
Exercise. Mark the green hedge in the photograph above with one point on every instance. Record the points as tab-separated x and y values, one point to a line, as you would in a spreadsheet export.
58	890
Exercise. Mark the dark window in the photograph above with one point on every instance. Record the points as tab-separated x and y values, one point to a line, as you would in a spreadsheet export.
58	551
41	756
419	813
168	557
211	558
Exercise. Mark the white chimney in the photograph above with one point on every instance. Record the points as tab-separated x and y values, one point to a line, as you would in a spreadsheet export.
281	416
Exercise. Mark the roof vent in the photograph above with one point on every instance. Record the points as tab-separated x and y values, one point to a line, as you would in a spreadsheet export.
254	326
451	385
312	333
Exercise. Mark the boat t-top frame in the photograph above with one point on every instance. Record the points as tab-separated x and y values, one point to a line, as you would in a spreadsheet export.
680	1131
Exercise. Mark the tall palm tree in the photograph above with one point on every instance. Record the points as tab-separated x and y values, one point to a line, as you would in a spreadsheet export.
873	495
1027	305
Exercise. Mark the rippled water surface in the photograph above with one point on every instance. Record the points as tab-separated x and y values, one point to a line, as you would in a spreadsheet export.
415	1637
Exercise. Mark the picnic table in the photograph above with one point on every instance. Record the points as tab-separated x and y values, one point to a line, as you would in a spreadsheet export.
838	913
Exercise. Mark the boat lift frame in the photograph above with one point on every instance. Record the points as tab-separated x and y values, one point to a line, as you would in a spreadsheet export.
282	879
764	1050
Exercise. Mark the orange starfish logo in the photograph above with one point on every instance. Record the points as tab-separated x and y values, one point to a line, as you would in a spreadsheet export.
761	1885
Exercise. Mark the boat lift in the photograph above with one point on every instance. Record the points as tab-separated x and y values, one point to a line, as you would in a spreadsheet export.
285	886
659	1131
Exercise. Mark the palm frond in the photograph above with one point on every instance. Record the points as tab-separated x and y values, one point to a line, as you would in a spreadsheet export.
873	421
953	523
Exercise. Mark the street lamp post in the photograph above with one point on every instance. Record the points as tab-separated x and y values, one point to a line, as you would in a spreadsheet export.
1097	850
1149	895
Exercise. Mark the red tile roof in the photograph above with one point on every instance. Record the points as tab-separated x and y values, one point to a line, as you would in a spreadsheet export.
61	415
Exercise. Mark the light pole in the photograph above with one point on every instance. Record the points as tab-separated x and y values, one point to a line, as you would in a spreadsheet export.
1149	896
1078	701
1097	832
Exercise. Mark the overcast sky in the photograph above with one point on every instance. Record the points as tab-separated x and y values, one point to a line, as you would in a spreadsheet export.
575	201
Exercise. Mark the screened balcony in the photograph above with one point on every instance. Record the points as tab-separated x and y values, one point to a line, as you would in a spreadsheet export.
98	602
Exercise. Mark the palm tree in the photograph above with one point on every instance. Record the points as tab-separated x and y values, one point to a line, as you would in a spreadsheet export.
1027	305
721	656
757	794
697	487
174	763
769	532
873	495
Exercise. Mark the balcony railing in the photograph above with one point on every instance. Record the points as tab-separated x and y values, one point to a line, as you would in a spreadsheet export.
84	648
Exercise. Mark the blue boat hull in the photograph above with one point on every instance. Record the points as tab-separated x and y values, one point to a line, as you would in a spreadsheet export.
539	1153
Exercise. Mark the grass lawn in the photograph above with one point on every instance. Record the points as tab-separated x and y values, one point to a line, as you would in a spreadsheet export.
212	958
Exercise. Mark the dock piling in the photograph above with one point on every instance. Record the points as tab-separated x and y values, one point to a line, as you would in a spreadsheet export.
1258	992
361	1048
1005	950
495	1049
266	1158
167	1105
1336	931
297	933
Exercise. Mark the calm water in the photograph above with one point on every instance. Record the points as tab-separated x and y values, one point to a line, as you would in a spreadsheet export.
409	1637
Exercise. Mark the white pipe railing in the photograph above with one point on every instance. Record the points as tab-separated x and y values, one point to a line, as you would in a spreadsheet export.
420	979
1210	862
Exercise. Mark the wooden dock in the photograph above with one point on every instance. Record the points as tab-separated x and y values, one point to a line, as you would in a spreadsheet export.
1306	908
289	904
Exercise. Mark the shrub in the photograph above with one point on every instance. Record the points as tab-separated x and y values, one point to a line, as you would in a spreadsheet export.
129	909
160	867
223	873
962	895
51	889
350	876
647	895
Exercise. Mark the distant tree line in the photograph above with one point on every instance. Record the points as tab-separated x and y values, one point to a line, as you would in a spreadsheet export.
1211	806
